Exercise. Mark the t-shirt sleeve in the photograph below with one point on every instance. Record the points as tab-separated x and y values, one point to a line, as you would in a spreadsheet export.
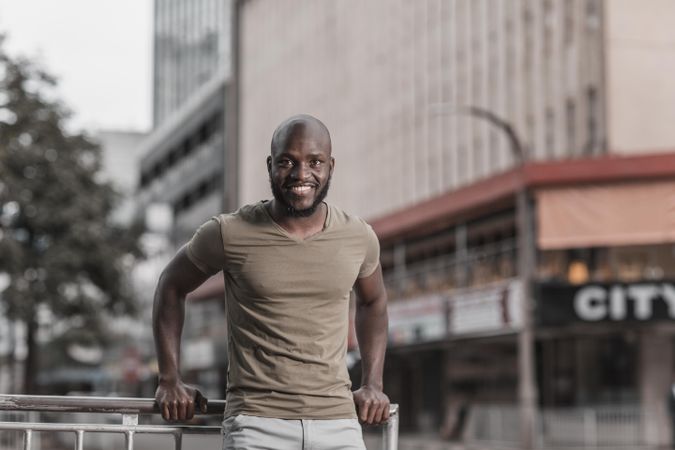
372	258
205	249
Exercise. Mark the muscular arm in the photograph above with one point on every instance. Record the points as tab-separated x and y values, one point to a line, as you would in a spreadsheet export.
174	398
371	331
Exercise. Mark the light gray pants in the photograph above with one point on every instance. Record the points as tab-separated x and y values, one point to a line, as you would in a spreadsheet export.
244	432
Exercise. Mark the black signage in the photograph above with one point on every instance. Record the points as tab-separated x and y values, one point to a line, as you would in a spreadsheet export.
645	301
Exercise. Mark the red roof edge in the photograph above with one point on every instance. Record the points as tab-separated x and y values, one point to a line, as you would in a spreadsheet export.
469	200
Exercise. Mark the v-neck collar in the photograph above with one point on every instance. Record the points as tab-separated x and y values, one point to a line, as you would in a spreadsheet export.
290	236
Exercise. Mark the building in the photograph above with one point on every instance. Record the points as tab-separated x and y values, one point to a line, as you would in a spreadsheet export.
187	167
420	98
184	157
387	78
191	46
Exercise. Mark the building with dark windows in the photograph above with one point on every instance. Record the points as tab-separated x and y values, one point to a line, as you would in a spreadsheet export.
185	166
191	47
185	158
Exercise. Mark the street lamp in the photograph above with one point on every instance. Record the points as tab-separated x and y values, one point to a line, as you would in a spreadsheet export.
527	387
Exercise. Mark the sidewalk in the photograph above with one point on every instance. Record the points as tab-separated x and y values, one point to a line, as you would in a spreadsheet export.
417	441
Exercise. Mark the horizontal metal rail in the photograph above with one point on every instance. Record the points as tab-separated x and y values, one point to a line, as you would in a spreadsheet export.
101	428
121	405
130	409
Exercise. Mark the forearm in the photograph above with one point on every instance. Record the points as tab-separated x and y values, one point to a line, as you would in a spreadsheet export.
168	315
371	331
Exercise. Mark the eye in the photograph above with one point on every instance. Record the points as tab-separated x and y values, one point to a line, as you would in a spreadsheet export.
315	163
285	163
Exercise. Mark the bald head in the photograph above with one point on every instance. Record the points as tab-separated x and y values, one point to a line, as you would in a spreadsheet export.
300	166
301	126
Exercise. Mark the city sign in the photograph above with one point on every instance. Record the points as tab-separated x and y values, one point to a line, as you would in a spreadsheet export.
646	301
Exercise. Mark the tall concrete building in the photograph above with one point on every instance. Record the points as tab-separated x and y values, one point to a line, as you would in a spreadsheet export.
388	77
535	277
184	157
191	46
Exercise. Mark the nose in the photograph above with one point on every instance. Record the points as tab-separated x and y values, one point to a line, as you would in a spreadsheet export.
300	171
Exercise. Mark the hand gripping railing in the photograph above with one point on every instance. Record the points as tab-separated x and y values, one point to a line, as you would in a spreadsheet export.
130	409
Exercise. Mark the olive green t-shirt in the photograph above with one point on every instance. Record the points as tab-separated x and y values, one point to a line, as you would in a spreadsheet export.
287	302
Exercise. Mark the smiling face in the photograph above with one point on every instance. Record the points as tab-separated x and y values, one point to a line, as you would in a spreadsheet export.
300	166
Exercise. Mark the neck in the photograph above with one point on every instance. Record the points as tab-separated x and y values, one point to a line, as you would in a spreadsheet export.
305	226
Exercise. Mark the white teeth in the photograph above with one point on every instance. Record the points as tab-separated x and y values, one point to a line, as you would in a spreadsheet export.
301	189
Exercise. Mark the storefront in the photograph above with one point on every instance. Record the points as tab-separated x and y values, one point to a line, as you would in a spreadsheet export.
603	299
451	350
609	344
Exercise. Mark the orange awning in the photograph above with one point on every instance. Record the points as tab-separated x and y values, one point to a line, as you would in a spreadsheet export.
629	213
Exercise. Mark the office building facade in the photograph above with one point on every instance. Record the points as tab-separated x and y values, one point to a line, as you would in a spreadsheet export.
390	79
184	158
191	46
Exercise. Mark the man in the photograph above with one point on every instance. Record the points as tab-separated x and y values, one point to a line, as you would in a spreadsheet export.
289	265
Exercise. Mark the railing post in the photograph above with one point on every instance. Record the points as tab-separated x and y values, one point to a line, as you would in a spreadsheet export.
590	427
129	420
129	440
27	438
542	425
79	440
495	432
34	416
390	432
178	441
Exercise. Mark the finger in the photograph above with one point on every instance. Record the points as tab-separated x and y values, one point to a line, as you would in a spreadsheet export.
190	409
364	410
165	411
372	413
173	408
382	412
376	414
182	409
385	416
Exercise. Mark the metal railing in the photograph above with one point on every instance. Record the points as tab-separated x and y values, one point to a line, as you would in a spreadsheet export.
606	427
619	427
129	409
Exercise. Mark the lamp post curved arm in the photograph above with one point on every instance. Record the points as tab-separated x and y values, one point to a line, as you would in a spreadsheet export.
518	149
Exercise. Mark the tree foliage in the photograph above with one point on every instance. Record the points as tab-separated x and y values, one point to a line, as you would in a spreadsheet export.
65	260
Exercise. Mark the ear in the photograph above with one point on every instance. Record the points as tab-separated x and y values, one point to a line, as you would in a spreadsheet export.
269	164
332	165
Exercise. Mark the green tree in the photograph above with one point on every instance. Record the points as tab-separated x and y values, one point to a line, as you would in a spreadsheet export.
63	257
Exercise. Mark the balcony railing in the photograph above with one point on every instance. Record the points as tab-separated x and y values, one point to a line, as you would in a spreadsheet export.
599	427
129	409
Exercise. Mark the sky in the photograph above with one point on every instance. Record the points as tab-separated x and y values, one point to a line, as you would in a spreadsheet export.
100	51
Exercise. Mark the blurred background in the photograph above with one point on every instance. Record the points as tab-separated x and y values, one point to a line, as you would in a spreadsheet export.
515	157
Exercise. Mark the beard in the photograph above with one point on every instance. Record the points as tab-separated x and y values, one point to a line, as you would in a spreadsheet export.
289	210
